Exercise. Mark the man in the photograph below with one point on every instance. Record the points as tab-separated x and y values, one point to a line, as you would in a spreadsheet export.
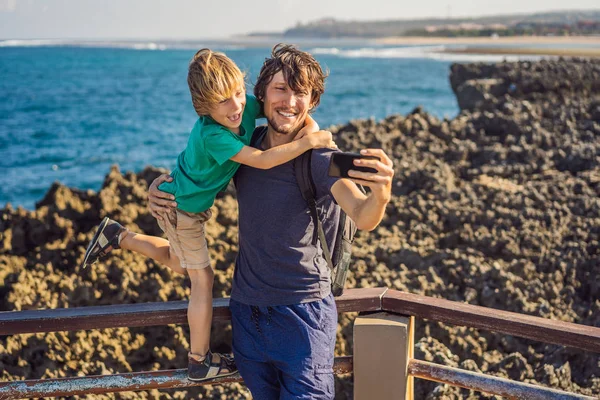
284	317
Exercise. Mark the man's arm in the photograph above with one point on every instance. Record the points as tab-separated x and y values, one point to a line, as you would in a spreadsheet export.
281	154
366	210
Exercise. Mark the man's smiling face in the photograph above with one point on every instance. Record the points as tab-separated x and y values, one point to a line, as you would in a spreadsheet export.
284	108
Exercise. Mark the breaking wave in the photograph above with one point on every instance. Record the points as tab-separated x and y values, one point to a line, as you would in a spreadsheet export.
427	52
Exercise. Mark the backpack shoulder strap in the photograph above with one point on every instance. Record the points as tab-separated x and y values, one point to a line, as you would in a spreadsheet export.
258	135
304	176
307	188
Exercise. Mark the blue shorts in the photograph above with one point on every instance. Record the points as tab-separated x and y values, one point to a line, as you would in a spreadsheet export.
286	352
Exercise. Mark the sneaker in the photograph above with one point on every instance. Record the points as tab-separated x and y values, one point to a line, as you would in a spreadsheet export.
105	240
214	365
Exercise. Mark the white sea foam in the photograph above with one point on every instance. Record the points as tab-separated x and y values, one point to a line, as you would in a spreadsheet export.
122	44
149	46
31	43
83	43
325	50
428	52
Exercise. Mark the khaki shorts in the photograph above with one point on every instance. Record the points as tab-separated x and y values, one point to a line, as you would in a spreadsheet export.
185	232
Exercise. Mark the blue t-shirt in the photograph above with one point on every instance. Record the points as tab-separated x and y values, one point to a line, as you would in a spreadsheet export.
277	263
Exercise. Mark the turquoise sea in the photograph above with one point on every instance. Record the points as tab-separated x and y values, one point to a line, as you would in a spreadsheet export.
70	110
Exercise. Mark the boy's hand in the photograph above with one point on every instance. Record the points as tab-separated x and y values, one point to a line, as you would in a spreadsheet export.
300	134
160	202
310	126
321	139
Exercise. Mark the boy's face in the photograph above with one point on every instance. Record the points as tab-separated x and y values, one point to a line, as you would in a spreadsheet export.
285	109
229	111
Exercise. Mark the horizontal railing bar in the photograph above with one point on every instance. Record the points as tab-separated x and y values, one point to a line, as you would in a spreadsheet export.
147	314
487	383
99	384
526	326
371	299
100	317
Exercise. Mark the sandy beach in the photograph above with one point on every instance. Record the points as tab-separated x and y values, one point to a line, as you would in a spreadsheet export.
560	46
533	51
509	40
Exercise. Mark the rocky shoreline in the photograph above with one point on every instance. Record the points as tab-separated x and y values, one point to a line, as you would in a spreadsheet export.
498	207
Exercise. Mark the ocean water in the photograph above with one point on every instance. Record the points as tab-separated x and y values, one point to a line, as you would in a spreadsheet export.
70	110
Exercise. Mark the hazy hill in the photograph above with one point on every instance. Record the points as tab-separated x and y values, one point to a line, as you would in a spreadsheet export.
558	22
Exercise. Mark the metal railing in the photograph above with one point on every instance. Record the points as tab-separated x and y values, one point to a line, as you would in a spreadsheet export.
361	300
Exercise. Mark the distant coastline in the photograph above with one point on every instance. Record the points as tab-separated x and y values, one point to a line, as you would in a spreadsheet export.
418	40
532	33
550	23
564	46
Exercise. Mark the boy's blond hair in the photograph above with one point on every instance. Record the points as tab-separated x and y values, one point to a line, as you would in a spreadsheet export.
212	77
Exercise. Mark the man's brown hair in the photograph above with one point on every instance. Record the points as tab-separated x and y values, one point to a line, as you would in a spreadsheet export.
300	70
212	77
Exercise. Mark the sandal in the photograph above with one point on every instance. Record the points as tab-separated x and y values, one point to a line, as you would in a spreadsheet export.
214	365
107	238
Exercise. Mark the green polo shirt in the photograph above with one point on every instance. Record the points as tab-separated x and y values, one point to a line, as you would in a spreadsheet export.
204	168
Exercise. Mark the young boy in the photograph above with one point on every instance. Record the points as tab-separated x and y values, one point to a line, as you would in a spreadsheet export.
217	145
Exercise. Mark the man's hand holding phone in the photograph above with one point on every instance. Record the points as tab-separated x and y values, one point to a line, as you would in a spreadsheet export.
371	168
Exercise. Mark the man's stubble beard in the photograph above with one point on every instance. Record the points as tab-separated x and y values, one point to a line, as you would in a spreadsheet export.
293	131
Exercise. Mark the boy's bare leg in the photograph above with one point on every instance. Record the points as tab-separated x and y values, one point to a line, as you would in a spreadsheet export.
154	247
200	310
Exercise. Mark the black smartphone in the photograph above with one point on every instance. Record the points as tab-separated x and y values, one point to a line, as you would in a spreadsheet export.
341	163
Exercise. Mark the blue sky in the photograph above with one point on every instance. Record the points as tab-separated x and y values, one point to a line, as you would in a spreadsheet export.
188	19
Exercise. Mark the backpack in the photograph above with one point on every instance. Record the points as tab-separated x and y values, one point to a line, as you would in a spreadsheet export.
338	258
